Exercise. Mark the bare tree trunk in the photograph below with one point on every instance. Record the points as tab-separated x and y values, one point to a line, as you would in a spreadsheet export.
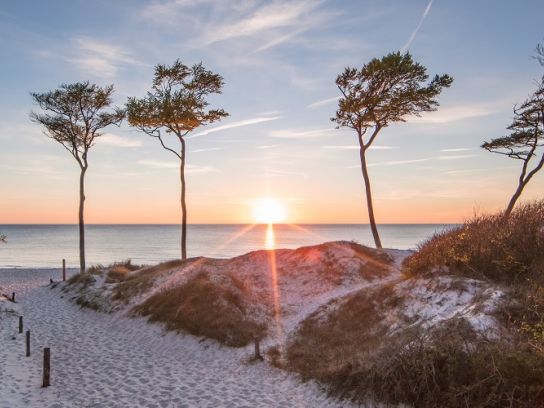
183	205
523	181
81	220
514	198
370	207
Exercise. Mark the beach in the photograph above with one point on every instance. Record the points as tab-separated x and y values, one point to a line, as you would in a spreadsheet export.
107	360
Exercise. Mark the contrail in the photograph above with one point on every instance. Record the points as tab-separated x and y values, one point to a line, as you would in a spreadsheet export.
414	33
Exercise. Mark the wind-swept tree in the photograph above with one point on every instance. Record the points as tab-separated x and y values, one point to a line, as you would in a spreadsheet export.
523	143
176	105
74	115
382	92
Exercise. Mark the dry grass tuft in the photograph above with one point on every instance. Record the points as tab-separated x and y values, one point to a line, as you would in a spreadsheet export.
508	251
82	279
347	335
208	306
350	352
491	247
136	283
120	271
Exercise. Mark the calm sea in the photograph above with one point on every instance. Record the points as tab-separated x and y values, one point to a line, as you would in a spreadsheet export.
46	245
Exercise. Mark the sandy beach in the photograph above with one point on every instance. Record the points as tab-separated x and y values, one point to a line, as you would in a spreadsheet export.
101	360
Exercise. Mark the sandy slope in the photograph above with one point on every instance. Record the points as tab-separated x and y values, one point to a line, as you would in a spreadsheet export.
101	360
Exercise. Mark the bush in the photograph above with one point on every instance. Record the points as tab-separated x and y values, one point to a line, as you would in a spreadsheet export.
505	250
213	308
493	247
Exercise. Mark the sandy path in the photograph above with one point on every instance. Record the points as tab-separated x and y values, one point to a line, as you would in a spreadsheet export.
103	360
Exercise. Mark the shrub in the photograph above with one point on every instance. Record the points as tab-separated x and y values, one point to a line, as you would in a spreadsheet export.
141	280
494	247
214	308
505	250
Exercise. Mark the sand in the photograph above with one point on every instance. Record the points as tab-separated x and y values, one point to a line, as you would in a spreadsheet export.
101	360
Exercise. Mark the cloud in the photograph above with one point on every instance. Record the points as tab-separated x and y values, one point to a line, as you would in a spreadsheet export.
159	164
300	134
461	112
109	139
281	173
356	147
457	149
458	157
271	16
262	147
189	168
397	162
414	33
237	124
207	149
323	102
423	159
99	59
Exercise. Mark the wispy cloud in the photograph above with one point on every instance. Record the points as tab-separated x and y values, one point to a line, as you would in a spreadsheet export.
460	112
207	149
398	162
457	149
263	147
323	102
110	139
414	33
300	134
278	15
240	123
420	160
456	157
356	147
99	59
189	168
280	173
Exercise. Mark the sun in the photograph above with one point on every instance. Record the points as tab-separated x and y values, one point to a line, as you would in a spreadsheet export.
269	211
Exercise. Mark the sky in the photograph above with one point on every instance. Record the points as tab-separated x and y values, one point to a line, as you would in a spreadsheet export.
279	60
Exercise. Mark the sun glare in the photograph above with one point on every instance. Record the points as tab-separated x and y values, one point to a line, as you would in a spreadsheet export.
269	211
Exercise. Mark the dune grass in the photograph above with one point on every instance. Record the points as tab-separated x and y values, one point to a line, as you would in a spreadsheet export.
134	284
507	251
213	307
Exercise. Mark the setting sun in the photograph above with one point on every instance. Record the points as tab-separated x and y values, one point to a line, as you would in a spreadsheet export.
269	211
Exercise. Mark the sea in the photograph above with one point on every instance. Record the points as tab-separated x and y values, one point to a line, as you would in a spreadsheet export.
44	246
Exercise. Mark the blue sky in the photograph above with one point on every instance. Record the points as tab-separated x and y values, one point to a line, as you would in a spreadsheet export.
279	60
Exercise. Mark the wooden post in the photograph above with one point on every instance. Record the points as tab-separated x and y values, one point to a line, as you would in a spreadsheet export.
63	270
258	350
28	343
13	297
20	324
46	367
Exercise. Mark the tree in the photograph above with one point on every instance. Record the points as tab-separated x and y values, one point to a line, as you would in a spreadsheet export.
176	105
74	115
523	142
382	92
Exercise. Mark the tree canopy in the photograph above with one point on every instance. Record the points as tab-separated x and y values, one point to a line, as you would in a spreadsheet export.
177	102
385	91
75	115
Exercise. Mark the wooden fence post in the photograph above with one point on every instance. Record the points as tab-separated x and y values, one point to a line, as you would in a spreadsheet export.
20	324
63	270
28	343
258	350
13	297
46	367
